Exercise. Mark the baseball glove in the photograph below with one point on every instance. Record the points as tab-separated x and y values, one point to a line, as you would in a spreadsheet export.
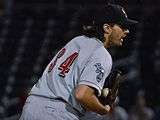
110	88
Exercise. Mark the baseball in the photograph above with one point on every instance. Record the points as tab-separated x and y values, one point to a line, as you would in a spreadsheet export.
105	92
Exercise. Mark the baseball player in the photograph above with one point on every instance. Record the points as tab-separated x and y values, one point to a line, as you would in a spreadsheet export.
73	80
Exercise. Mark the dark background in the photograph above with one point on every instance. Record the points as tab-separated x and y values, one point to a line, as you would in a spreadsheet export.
31	32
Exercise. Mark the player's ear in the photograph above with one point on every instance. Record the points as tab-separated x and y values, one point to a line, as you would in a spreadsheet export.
107	28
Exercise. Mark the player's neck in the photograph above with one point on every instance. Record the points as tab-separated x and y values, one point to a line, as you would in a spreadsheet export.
106	41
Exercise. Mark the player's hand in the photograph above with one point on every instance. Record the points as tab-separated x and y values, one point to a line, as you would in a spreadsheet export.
107	108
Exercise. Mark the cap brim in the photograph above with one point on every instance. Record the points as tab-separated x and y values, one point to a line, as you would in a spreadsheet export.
129	22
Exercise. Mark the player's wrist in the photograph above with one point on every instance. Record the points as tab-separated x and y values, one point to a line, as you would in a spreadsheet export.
106	109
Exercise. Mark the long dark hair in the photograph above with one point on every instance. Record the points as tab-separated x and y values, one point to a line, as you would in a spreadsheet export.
84	23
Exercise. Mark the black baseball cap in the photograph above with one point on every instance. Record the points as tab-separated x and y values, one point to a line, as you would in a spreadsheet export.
113	13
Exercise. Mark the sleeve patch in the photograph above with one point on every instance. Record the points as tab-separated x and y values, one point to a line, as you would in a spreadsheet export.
99	71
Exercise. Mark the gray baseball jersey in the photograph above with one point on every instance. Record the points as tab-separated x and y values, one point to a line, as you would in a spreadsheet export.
82	61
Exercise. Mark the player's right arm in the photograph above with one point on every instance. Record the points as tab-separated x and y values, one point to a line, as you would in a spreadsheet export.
86	96
91	82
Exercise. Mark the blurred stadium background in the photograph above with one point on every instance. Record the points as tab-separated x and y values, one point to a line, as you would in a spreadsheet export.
31	31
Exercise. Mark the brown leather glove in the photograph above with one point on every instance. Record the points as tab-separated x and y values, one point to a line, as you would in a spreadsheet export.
112	83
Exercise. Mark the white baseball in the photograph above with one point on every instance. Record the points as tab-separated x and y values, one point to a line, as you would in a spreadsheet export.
105	92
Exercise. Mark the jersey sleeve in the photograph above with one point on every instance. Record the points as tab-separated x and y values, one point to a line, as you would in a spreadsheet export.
96	70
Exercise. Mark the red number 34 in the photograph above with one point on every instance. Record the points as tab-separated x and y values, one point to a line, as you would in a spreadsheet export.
65	66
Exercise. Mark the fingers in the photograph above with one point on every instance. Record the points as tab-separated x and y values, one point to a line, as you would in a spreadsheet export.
107	108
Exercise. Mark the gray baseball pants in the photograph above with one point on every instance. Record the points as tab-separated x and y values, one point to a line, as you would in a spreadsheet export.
39	108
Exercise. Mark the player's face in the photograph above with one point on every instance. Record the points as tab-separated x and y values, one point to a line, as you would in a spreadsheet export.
117	34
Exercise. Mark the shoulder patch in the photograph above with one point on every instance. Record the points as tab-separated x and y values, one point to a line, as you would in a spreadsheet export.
99	71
